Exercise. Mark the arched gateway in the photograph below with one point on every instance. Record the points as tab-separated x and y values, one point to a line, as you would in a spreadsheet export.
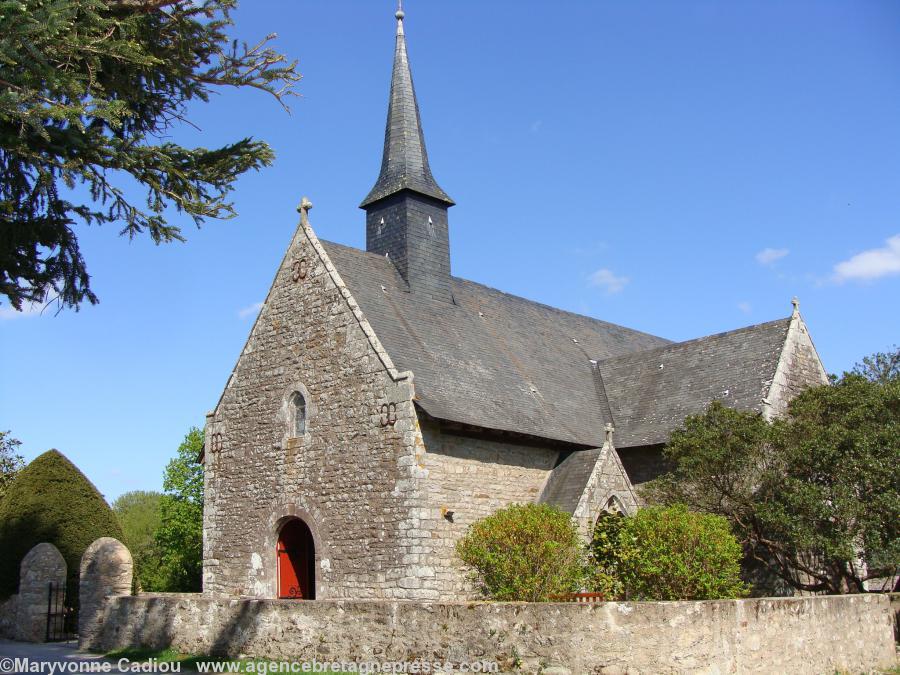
296	561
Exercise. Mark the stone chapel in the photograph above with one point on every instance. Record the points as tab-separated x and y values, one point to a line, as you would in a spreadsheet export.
381	405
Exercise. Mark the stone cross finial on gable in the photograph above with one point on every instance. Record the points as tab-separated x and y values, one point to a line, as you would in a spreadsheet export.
795	301
305	206
609	433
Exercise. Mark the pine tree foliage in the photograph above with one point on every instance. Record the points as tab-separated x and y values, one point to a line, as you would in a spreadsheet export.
89	90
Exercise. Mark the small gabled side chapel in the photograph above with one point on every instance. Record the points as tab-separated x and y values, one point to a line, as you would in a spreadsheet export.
381	405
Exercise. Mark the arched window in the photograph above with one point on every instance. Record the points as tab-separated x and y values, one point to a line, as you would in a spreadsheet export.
614	505
298	415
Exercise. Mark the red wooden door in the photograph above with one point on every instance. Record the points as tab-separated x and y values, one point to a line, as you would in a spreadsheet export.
296	561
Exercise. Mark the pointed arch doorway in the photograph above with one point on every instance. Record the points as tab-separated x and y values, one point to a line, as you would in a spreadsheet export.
296	552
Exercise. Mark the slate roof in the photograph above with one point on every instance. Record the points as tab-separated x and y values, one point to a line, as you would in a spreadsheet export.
569	479
651	392
404	165
491	360
502	362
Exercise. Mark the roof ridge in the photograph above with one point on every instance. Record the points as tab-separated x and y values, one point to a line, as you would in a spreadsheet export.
517	297
702	338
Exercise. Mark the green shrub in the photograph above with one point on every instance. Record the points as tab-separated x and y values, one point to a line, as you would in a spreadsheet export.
524	553
50	500
666	553
606	554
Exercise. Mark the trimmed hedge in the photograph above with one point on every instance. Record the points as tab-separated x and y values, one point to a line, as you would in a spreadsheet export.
51	501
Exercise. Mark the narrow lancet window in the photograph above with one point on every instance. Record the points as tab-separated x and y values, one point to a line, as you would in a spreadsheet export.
298	412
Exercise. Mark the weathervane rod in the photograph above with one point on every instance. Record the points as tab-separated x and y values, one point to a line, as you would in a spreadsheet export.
400	14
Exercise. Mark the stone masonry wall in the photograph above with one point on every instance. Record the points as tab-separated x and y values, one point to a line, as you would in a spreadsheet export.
8	611
107	570
351	477
643	464
472	478
799	368
792	635
40	567
608	489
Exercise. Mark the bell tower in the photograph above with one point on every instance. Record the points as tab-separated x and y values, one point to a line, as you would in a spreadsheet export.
406	210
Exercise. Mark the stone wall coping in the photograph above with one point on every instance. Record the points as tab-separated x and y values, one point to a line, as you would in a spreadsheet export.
472	604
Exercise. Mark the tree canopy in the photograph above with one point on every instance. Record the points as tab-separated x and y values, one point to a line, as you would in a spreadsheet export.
814	497
139	515
880	366
180	533
51	501
89	90
11	461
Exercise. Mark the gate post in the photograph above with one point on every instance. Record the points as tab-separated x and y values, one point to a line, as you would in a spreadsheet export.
41	567
106	571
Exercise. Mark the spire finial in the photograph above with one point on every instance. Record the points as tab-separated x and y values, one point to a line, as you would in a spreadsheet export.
305	206
404	164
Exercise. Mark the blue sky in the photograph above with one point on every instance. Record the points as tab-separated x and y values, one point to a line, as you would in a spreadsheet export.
681	168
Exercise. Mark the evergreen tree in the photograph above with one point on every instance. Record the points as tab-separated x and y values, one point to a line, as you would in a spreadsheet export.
51	501
881	366
88	91
814	497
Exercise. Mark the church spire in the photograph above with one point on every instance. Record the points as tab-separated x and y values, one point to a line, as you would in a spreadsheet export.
404	164
406	211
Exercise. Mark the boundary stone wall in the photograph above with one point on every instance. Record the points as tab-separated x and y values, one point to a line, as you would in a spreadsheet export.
796	635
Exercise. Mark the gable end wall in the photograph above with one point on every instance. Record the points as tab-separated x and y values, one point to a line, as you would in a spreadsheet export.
352	479
798	368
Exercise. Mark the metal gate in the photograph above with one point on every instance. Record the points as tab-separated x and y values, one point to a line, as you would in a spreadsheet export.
62	615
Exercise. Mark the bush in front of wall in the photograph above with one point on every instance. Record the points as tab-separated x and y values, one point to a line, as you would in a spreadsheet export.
525	552
666	553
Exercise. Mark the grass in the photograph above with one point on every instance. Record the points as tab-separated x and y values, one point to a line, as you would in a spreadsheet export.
893	670
187	662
